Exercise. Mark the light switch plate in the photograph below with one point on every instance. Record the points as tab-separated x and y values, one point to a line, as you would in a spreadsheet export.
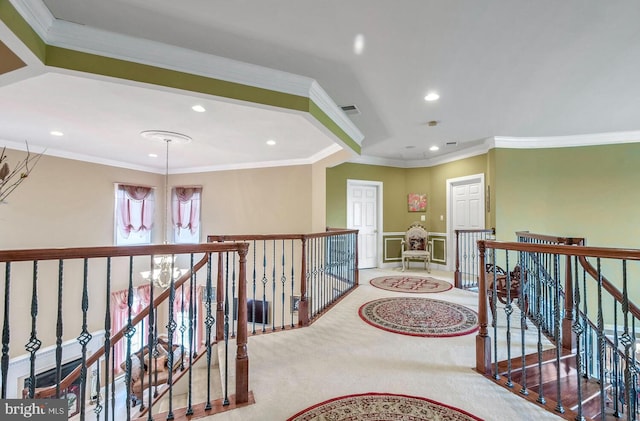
423	218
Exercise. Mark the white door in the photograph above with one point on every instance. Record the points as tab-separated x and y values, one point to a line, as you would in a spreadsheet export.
362	214
465	208
467	201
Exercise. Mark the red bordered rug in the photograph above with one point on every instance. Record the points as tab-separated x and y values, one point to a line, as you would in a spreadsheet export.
410	284
382	407
419	317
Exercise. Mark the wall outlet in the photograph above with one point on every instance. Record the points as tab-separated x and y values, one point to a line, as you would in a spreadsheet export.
423	218
442	217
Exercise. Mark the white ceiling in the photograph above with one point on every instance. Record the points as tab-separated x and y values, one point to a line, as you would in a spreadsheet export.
512	68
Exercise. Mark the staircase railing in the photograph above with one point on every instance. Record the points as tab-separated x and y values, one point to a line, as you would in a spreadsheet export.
596	363
81	281
466	273
293	278
286	281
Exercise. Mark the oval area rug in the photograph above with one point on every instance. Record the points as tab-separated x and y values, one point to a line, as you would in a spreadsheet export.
382	407
419	317
410	284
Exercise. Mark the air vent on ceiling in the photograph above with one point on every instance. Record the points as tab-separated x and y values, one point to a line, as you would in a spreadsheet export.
350	109
451	144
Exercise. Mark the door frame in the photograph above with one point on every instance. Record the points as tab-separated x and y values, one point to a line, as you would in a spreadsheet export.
378	185
451	236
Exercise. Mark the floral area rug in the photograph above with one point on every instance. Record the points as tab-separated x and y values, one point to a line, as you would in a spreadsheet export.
410	284
419	317
382	407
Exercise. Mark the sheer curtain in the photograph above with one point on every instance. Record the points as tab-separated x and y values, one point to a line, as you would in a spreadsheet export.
135	207
119	317
185	208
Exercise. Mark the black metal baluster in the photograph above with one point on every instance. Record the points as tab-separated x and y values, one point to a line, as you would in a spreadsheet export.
98	408
508	310
283	281
628	343
236	304
6	334
129	334
171	328
183	327
225	401
578	330
494	311
556	334
152	343
292	280
264	283
192	299
273	287
254	289
523	274
59	329
208	321
84	338
616	362
34	343
601	340
107	339
540	323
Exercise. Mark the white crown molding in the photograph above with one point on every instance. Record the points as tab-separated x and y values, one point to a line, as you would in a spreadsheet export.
320	97
592	139
328	151
422	163
37	14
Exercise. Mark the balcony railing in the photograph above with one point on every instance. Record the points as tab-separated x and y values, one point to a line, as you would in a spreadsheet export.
59	309
583	343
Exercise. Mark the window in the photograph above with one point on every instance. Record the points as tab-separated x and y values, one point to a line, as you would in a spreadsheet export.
185	214
134	213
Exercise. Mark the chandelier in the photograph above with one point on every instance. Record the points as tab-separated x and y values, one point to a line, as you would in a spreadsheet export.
163	272
164	267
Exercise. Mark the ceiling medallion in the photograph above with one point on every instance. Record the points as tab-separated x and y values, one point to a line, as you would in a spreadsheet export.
166	136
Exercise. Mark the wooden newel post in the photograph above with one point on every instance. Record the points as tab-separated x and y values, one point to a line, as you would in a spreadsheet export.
483	341
242	358
303	308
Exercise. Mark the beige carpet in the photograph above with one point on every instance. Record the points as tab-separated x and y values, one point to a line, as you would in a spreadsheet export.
341	355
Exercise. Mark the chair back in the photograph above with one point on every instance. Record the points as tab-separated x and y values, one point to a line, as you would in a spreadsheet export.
416	237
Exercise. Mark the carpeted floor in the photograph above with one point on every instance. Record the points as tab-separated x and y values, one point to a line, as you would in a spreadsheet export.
419	317
340	355
417	284
382	406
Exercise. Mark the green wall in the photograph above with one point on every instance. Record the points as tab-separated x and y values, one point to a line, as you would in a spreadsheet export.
397	183
581	192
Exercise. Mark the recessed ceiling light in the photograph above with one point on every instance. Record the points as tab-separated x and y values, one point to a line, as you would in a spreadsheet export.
434	148
198	108
56	133
271	142
153	155
409	147
358	44
431	96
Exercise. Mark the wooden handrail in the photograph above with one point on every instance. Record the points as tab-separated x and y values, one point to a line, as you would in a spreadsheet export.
551	238
608	286
26	255
581	252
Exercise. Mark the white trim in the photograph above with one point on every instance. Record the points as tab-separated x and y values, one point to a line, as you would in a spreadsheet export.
451	182
379	223
385	255
444	260
46	360
592	139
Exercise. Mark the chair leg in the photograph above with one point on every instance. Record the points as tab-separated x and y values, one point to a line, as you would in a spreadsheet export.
492	307
403	263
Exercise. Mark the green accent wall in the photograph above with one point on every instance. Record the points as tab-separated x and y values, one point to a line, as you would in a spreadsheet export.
586	191
397	184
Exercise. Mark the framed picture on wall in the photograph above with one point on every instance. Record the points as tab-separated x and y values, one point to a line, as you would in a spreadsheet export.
417	202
